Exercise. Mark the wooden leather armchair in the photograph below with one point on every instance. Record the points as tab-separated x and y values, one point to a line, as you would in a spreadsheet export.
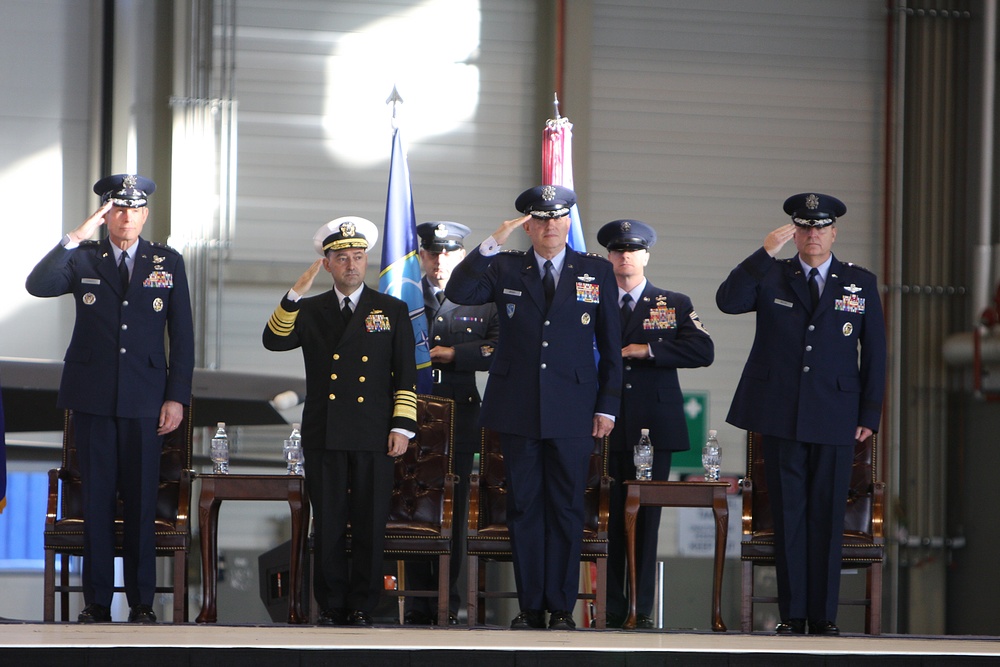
63	534
864	542
420	514
489	541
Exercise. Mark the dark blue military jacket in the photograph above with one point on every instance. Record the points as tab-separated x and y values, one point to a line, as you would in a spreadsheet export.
116	364
360	376
544	381
810	377
472	332
651	392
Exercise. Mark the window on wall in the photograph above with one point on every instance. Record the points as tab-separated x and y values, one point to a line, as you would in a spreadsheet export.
22	522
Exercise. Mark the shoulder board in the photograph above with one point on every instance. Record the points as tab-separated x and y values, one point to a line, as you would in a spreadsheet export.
594	255
787	260
859	267
89	243
164	246
513	252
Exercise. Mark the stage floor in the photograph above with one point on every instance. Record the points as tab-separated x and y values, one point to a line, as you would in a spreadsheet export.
14	635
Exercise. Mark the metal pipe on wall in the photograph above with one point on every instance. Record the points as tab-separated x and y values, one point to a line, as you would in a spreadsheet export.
984	275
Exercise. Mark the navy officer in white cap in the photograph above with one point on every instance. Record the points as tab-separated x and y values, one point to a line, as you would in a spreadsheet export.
125	391
360	412
661	332
462	340
547	396
812	386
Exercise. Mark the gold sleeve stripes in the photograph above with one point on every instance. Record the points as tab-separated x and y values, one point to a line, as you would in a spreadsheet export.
282	322
405	404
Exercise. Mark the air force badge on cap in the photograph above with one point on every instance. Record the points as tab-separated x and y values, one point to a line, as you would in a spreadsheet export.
811	209
442	236
626	235
349	231
128	190
546	201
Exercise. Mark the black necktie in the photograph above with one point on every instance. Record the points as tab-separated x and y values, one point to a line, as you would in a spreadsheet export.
548	283
346	310
123	270
626	309
814	287
440	297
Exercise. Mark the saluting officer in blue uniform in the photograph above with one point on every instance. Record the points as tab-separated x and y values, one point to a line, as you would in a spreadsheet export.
546	395
125	391
360	412
661	332
462	340
812	386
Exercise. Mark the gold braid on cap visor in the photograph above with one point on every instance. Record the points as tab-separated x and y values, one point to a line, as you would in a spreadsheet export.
341	244
558	213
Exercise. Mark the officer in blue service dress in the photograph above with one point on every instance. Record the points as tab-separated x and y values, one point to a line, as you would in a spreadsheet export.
124	379
547	396
462	340
360	412
661	332
812	386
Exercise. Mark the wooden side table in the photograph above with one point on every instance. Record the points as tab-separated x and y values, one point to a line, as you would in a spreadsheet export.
215	489
678	494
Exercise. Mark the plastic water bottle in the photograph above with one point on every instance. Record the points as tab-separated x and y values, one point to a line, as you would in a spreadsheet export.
643	457
220	450
711	457
292	450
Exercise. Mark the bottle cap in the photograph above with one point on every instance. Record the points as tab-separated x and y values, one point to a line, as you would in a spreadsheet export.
221	425
296	426
712	433
644	431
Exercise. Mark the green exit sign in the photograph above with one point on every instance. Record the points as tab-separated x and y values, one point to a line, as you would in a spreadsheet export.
696	414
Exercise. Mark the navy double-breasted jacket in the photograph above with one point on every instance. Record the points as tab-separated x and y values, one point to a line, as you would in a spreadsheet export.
651	392
120	361
811	376
360	376
545	381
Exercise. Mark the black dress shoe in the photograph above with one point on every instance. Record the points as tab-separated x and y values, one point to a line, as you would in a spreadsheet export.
529	619
644	622
332	617
359	619
415	617
823	628
561	620
793	626
94	613
141	613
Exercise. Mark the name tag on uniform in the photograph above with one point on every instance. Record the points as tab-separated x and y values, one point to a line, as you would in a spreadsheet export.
512	292
90	281
782	302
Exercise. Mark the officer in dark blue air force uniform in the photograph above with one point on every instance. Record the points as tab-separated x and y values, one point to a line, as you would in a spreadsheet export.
546	396
661	332
810	394
462	341
124	390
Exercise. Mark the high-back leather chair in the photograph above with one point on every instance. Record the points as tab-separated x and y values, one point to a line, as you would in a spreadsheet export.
420	513
863	545
63	534
488	539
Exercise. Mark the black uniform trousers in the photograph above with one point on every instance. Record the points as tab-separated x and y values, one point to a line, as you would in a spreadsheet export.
343	581
808	486
546	480
647	527
118	457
